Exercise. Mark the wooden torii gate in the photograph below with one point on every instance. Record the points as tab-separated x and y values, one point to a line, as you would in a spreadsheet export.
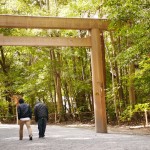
94	41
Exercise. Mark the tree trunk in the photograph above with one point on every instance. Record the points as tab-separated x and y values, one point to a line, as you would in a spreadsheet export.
5	68
57	81
66	93
131	85
115	78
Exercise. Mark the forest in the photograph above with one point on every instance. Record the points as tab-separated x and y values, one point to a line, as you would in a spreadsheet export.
61	77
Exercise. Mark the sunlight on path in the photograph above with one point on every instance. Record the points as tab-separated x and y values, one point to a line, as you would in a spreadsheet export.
8	126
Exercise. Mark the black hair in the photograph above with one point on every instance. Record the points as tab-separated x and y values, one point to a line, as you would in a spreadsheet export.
21	101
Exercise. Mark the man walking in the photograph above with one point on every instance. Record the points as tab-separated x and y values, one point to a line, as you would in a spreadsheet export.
41	116
24	117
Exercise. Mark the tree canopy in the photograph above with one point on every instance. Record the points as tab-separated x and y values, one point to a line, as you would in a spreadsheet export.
61	76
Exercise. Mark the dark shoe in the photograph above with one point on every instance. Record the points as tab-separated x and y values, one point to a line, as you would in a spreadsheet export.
30	137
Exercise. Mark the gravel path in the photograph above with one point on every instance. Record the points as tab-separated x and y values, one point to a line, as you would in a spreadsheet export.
70	138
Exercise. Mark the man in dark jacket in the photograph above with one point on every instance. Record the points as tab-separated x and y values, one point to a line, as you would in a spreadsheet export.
41	116
24	117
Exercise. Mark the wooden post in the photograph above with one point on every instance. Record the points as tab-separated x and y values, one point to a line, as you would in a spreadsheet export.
146	118
97	62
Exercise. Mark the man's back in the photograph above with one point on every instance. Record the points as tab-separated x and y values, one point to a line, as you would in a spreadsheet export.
40	111
24	111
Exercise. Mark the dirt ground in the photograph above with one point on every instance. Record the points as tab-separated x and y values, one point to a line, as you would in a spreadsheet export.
123	129
135	130
76	137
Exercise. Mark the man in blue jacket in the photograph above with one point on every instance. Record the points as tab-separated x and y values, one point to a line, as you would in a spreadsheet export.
24	117
41	116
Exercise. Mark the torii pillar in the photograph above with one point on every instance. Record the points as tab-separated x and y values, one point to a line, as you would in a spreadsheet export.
98	62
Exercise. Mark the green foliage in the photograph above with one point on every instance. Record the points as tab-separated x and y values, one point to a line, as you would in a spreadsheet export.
130	45
142	107
142	78
30	70
3	107
129	112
